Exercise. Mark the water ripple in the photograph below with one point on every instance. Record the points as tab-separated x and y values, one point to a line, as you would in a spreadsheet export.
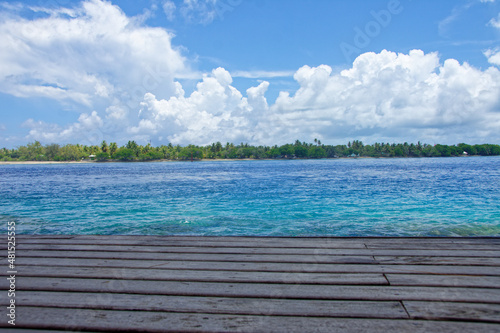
350	197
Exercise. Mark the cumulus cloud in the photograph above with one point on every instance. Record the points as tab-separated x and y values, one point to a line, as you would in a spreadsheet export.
394	96
92	55
86	129
384	96
215	111
123	76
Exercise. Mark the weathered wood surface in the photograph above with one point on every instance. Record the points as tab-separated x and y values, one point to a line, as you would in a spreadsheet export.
251	284
264	250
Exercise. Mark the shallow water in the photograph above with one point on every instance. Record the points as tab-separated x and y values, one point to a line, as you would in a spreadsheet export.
341	197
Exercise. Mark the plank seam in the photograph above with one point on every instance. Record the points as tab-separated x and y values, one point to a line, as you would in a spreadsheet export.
406	310
385	277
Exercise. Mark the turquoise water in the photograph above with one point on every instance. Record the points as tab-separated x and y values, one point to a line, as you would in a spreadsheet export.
341	197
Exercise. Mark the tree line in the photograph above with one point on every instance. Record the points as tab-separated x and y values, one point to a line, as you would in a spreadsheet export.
133	151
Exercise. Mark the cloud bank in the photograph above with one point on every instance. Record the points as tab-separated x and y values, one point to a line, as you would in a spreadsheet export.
384	96
91	56
125	75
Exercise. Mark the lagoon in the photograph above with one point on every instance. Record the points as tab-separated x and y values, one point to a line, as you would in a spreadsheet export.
331	197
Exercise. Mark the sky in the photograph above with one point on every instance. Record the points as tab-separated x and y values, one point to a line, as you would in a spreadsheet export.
262	72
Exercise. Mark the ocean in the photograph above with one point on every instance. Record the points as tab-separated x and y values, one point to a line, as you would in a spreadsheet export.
331	197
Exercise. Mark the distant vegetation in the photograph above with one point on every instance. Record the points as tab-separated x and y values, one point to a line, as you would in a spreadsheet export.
134	152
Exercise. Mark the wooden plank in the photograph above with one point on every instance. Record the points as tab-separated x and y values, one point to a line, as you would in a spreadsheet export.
257	290
221	239
482	239
373	243
235	266
29	236
142	321
391	240
264	242
200	249
196	265
34	330
426	244
256	284
259	250
444	280
203	275
103	260
481	243
201	256
454	311
441	269
424	260
213	305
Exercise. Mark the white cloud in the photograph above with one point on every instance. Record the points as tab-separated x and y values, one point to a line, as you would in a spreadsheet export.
97	57
199	11
384	97
92	55
493	56
87	130
495	22
206	11
404	97
169	9
215	111
446	23
261	74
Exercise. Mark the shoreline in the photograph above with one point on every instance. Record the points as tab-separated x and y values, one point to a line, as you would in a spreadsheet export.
42	162
211	160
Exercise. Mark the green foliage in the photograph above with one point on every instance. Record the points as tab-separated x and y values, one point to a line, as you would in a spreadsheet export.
134	147
102	156
132	151
104	147
113	147
191	152
72	153
51	151
124	154
317	152
150	156
287	151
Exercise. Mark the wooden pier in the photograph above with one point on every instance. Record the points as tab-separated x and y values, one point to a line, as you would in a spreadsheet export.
252	284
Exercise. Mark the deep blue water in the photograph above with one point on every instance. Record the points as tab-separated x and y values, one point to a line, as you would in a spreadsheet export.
341	197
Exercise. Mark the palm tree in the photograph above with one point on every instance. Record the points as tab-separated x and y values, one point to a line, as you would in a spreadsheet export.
112	148
104	146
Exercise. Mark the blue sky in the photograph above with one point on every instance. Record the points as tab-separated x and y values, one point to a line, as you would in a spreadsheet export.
257	71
